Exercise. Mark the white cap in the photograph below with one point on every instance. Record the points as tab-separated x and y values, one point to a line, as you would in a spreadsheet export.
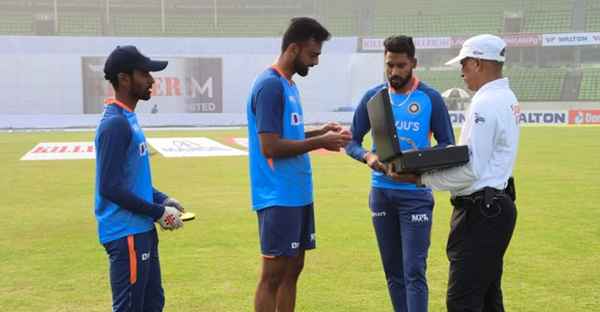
485	47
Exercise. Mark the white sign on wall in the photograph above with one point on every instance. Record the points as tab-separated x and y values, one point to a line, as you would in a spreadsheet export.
192	147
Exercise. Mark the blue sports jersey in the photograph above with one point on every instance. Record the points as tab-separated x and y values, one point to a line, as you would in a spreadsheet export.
417	115
125	199
274	106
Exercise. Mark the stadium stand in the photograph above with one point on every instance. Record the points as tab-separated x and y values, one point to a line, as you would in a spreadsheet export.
16	23
428	18
79	24
341	17
589	89
181	25
441	80
593	15
540	84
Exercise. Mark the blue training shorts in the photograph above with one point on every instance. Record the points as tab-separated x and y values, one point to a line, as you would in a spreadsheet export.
286	230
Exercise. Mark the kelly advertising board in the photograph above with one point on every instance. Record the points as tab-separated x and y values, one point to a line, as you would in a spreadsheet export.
187	85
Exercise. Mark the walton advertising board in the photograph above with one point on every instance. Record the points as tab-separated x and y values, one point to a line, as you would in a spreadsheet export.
527	117
187	85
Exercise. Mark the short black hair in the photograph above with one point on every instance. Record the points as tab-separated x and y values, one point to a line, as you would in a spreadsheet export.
399	44
115	81
303	29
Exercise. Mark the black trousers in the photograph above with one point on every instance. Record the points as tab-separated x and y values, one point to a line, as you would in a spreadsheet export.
479	237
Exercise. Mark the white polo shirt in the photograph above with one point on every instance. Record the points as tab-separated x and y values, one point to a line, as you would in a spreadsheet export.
491	131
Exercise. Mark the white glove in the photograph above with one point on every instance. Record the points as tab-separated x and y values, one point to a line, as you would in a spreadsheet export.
170	201
170	219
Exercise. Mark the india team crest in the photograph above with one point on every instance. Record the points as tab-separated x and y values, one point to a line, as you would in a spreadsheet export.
414	108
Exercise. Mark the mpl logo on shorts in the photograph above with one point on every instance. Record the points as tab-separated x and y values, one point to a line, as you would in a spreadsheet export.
584	117
419	218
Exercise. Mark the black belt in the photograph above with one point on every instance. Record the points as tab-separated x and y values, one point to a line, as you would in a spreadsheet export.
469	199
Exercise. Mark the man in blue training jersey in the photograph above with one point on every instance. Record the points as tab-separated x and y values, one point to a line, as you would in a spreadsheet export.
280	172
402	212
127	205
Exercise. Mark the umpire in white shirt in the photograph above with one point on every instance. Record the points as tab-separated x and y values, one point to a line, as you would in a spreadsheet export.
482	191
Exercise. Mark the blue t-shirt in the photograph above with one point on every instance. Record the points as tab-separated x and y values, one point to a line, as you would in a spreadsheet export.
274	106
125	201
418	115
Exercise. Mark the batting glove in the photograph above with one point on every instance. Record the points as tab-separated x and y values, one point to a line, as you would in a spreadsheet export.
170	201
170	220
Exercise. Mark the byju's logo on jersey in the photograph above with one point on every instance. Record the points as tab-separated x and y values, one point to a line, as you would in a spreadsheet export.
143	148
296	119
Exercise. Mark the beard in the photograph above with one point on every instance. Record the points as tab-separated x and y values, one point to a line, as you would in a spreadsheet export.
397	82
300	68
139	92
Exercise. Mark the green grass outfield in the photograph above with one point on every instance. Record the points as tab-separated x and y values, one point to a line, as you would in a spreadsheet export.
51	260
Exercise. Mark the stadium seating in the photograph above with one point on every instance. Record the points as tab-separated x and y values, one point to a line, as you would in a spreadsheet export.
539	84
593	16
201	25
16	23
341	17
589	89
468	17
529	85
79	24
441	80
419	19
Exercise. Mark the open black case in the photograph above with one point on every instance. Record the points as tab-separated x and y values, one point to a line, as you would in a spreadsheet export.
385	137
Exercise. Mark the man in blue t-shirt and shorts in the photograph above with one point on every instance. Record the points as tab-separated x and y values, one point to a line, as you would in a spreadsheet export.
402	212
127	204
280	171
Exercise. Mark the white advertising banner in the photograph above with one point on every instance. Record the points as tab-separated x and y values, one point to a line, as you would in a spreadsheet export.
572	39
193	147
187	85
528	117
421	43
61	150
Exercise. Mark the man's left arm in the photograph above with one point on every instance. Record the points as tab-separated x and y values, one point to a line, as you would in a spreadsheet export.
441	125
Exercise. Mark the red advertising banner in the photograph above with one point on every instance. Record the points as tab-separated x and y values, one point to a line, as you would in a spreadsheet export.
584	117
